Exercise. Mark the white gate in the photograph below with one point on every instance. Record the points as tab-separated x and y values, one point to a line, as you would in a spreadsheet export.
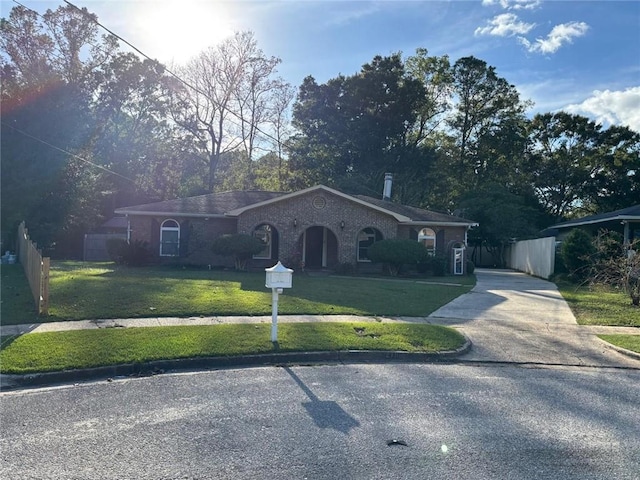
458	261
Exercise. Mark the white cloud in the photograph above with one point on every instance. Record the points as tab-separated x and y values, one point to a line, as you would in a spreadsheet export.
559	36
621	107
513	4
505	25
351	12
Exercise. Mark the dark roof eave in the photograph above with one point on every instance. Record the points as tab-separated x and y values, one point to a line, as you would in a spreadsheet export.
577	223
441	224
143	213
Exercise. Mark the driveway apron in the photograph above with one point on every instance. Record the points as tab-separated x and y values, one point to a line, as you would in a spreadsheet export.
512	317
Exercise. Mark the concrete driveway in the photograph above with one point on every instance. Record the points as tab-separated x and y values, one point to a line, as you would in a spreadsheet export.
513	317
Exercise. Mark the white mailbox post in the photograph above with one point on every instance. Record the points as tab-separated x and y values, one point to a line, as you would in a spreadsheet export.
278	277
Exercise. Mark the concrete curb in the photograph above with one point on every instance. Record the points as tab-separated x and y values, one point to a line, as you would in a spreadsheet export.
146	369
624	351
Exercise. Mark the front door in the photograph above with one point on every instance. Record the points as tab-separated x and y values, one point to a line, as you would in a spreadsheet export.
314	247
320	248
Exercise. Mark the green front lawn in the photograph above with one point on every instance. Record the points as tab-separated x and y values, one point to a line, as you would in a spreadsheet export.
630	342
15	296
102	290
603	307
600	306
77	349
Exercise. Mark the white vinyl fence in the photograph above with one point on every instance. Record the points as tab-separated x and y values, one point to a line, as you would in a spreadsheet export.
535	257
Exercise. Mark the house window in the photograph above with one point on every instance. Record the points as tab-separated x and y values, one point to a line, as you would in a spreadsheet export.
169	238
366	238
265	235
427	237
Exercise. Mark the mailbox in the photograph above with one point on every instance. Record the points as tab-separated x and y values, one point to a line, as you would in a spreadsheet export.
278	276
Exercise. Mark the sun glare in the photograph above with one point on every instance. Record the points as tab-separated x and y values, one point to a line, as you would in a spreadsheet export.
177	30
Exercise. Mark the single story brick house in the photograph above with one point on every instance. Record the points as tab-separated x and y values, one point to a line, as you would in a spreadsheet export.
315	228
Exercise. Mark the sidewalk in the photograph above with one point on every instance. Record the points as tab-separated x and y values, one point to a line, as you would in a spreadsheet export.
436	318
508	317
177	321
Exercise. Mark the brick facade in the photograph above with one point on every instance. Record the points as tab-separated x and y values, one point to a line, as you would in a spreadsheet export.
196	236
328	221
318	209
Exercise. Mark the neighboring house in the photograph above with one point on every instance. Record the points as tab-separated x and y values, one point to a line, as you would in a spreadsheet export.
318	227
625	221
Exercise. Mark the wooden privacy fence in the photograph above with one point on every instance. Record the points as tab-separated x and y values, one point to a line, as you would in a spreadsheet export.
36	268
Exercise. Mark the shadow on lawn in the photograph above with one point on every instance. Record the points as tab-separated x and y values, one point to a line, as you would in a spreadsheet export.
104	290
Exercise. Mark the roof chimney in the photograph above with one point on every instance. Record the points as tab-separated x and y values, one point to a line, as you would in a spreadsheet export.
388	180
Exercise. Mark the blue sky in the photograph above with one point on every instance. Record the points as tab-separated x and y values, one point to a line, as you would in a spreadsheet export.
580	56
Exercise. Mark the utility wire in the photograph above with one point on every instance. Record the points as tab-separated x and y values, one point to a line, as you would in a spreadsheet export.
173	74
99	47
50	145
82	159
176	76
165	68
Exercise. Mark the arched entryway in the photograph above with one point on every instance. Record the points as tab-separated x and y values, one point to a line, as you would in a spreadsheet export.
319	248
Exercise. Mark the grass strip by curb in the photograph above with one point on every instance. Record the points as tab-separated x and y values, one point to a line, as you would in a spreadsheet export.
628	342
600	306
79	349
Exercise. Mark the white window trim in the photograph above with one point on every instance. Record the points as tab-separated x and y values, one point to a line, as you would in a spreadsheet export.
169	229
259	229
365	260
422	238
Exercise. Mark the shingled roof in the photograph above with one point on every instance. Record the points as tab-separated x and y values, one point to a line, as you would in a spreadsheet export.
235	202
414	213
629	213
209	205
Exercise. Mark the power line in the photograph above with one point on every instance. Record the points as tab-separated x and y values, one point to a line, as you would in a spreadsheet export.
176	76
44	142
165	68
82	159
58	57
170	72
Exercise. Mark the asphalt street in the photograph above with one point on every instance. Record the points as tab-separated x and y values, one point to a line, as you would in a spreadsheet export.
460	421
537	397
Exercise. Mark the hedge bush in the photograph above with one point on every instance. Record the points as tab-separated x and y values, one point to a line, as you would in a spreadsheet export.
576	251
132	254
396	253
239	246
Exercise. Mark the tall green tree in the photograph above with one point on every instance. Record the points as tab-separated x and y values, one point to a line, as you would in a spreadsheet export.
133	135
45	114
26	53
576	167
485	104
354	129
616	184
436	76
